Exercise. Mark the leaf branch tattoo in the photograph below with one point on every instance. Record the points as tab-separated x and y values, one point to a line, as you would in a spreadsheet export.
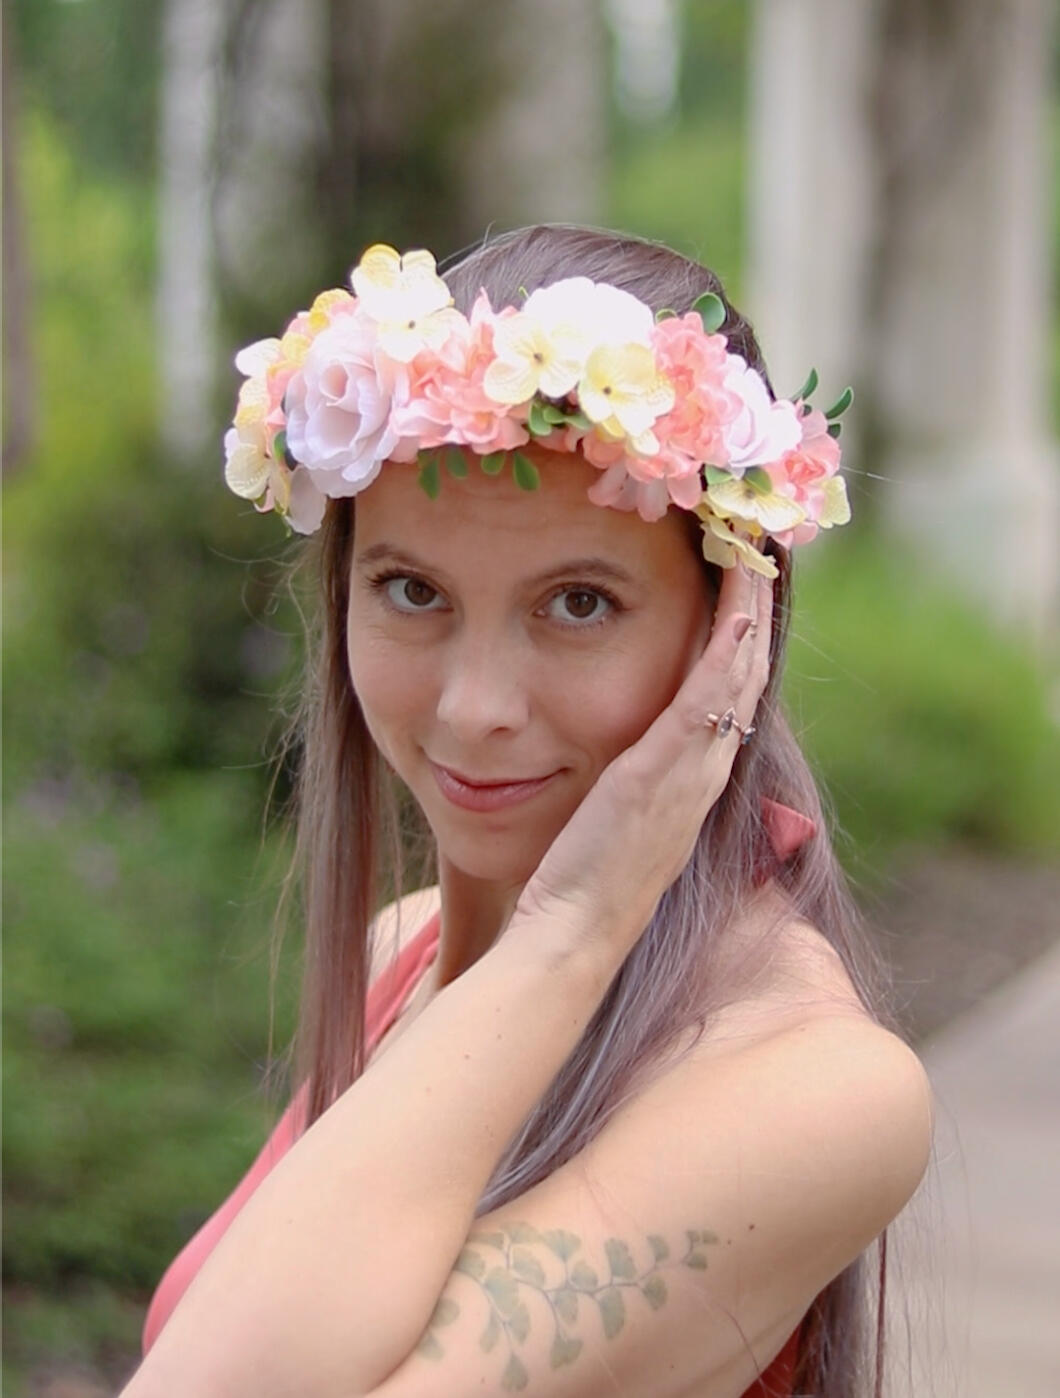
504	1265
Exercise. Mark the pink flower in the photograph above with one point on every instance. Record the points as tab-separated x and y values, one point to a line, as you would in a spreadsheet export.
619	490
648	483
601	452
696	365
339	406
446	399
807	475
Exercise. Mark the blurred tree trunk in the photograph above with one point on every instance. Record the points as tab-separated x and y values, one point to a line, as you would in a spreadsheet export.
272	122
538	153
19	378
346	122
192	37
447	118
900	207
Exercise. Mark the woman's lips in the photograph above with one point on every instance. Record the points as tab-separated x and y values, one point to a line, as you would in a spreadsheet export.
485	796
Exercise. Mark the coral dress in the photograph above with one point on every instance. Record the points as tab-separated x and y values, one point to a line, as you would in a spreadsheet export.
388	996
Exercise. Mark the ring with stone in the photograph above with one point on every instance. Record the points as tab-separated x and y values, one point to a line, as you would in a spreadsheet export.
723	724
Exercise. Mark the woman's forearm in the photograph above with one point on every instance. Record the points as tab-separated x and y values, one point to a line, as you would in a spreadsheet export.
327	1278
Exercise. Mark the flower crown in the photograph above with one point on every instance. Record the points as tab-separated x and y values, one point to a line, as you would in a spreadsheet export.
668	415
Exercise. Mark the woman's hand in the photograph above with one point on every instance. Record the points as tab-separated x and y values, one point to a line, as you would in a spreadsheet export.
605	872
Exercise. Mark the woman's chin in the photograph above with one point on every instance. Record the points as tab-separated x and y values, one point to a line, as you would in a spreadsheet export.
506	860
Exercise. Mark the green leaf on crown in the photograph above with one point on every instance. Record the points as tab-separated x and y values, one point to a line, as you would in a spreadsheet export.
757	477
834	429
527	476
430	477
455	462
493	464
537	419
717	475
667	313
279	446
556	416
808	387
840	405
711	309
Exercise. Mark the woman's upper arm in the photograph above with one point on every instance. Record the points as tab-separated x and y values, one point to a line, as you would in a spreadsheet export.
682	1247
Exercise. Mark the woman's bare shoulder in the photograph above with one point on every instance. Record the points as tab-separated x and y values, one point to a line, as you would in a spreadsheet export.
395	925
804	1036
826	1090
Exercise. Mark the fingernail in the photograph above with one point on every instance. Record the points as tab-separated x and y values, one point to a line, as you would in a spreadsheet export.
739	627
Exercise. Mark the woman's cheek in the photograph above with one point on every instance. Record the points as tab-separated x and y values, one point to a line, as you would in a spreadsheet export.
631	702
389	692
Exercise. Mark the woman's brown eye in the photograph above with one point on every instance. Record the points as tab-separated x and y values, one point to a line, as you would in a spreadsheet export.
412	594
420	594
581	604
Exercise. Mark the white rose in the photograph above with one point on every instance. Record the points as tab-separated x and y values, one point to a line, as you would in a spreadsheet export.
763	430
338	408
305	506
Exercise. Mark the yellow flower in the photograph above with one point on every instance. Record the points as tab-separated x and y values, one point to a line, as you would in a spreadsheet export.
252	475
723	547
251	407
321	312
406	298
622	392
246	467
532	357
836	505
739	499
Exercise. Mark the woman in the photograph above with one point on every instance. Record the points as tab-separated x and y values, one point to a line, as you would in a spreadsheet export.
621	1115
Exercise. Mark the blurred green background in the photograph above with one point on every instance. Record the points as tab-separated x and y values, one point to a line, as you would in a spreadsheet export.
148	653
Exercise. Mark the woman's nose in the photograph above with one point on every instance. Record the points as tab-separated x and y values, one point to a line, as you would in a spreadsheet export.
482	691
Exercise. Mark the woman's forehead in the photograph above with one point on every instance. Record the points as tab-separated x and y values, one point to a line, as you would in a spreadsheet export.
479	521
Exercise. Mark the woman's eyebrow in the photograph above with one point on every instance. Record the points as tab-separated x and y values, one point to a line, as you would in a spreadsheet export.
602	569
378	552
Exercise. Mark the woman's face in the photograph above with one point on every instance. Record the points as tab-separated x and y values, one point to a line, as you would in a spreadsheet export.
505	646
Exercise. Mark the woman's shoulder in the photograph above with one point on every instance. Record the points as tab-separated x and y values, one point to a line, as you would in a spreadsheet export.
830	1110
804	1054
396	924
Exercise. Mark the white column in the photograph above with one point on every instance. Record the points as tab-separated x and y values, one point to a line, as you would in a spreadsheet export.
899	199
191	50
962	355
810	188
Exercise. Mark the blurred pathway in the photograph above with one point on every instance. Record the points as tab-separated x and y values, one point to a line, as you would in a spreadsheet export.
980	1246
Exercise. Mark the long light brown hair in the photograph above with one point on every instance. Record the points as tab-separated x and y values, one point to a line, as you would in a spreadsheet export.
353	832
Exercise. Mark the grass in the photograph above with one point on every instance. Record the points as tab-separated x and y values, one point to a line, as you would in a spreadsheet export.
927	724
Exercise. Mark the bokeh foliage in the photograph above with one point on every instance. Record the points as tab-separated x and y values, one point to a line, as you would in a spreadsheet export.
148	636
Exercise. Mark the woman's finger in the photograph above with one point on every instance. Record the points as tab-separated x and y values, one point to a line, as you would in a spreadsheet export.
743	663
735	596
